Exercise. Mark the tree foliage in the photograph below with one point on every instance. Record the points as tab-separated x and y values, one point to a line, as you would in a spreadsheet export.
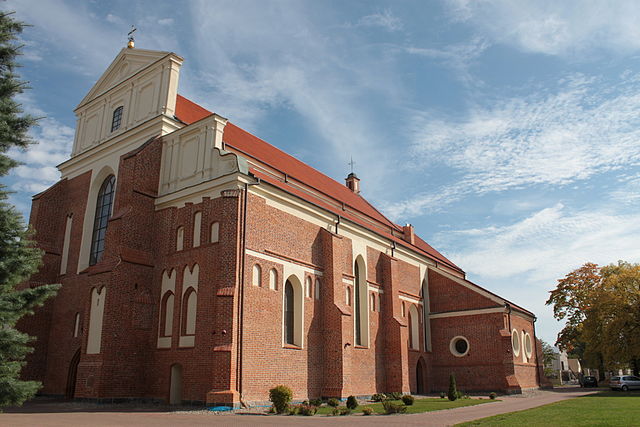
19	259
602	311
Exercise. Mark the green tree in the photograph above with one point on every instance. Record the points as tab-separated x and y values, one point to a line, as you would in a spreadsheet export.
601	308
19	259
548	356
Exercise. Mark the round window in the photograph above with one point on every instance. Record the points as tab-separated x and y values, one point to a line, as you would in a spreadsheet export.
515	342
528	348
459	346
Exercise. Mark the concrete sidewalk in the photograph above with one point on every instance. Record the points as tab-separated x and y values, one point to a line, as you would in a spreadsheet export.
64	414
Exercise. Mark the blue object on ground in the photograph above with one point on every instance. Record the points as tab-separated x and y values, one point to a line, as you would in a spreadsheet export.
221	408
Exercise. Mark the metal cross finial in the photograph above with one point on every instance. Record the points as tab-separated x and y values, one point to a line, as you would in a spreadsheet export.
130	33
351	163
131	43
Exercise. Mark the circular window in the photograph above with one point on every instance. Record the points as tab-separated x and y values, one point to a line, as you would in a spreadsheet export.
459	346
528	348
515	342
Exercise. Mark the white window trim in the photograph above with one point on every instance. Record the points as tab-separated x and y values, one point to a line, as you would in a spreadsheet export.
452	346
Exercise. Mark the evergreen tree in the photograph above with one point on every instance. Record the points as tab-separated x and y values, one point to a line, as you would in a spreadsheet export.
453	390
18	256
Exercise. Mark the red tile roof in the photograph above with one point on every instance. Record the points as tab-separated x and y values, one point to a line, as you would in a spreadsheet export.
323	191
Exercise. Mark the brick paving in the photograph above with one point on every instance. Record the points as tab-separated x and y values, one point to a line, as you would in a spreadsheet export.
63	414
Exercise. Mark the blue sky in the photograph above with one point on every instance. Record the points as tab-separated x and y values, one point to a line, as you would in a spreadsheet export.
507	132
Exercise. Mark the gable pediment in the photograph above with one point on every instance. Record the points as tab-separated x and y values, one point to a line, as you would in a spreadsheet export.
126	64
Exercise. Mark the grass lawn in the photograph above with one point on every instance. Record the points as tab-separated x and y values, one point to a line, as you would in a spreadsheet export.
603	409
420	405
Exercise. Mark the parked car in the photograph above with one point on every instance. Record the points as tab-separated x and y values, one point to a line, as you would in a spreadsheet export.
624	383
589	381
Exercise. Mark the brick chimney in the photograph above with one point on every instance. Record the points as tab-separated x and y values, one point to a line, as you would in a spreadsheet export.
408	234
353	182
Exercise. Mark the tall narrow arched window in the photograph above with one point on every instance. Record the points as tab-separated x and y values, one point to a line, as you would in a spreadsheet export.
357	305
103	212
289	311
197	227
214	231
273	279
116	121
166	315
307	287
190	302
257	275
180	239
414	336
316	290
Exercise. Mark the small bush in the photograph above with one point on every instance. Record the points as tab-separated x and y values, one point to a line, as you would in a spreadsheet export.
408	400
272	410
352	402
316	402
492	395
453	390
394	395
344	410
367	410
280	396
335	411
393	408
443	395
293	409
379	397
307	410
333	402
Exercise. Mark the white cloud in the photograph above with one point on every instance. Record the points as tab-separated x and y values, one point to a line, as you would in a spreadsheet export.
586	128
456	56
547	244
278	57
570	27
384	19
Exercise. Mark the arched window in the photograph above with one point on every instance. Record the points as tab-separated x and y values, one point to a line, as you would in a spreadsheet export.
76	326
116	121
414	336
180	238
348	296
361	303
273	279
166	315
189	304
214	231
103	212
373	301
197	224
257	275
307	287
317	289
289	313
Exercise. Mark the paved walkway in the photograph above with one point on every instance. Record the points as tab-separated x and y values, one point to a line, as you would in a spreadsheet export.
79	414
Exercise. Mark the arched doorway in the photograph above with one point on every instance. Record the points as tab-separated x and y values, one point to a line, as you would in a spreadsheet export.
175	392
70	390
420	371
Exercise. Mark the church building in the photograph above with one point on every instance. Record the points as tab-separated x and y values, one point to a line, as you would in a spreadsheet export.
201	264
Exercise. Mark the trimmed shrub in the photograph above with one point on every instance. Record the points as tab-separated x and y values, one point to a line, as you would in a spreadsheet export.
394	395
333	402
352	402
408	400
316	402
293	409
280	396
379	397
492	395
453	390
307	410
335	411
443	395
367	410
393	408
345	411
